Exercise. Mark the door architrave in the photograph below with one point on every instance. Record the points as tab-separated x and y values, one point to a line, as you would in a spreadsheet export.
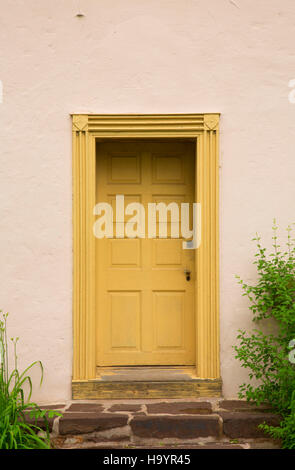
204	130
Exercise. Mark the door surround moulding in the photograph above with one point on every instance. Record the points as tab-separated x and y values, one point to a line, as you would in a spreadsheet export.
204	129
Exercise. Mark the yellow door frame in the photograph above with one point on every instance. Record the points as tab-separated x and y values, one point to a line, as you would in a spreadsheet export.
204	129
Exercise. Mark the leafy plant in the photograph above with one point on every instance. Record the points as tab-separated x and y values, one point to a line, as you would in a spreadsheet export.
286	430
18	416
266	354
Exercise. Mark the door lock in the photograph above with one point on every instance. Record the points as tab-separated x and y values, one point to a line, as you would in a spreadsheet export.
187	274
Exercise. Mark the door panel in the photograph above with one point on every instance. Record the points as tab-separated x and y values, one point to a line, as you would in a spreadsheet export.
144	304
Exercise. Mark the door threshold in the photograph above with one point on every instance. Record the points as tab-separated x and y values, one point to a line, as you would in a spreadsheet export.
146	382
146	374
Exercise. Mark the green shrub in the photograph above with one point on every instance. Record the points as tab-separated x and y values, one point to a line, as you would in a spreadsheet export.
286	430
16	411
266	355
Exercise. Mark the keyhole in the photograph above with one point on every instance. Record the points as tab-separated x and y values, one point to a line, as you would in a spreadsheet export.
187	275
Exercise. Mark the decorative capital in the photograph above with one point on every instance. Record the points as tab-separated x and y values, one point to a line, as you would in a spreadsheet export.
80	122
211	121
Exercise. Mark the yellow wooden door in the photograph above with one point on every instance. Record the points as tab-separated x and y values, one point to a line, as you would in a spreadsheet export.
144	303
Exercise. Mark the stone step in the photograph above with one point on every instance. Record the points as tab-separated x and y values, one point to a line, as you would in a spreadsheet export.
180	427
263	444
99	389
82	423
212	445
245	425
166	423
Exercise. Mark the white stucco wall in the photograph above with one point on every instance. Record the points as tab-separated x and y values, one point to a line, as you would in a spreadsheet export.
235	57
